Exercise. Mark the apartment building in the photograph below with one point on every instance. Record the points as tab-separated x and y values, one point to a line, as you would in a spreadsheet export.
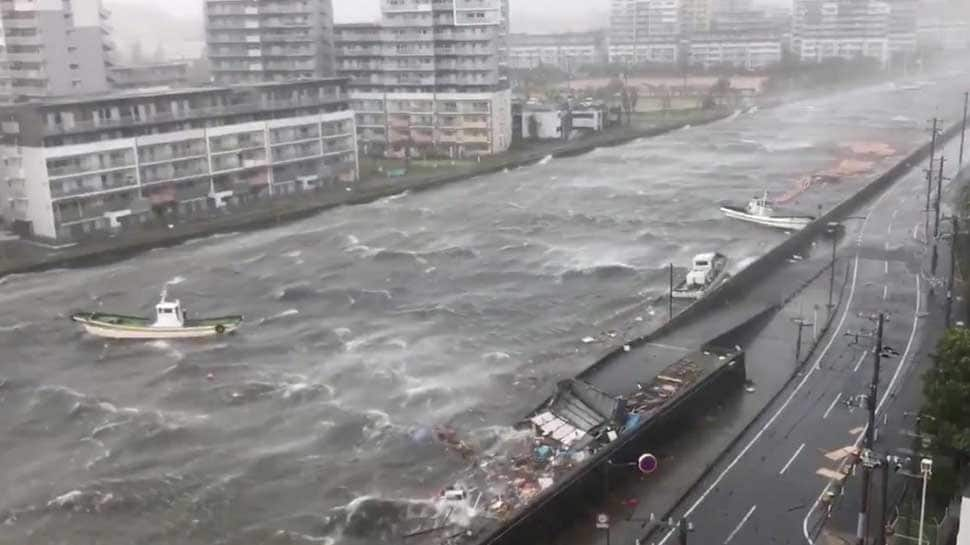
747	51
79	167
623	20
755	22
648	30
454	125
54	47
903	17
732	5
427	80
848	29
943	33
166	74
695	16
566	51
659	50
253	41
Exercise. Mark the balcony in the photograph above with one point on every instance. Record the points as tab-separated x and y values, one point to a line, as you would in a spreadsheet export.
286	38
155	175
82	191
81	170
198	113
25	22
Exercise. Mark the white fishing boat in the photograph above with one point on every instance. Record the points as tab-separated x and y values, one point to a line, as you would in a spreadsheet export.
169	323
758	211
707	271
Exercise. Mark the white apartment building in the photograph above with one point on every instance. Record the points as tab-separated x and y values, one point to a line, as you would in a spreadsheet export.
253	41
695	16
427	81
566	51
648	30
623	21
743	51
848	29
54	47
948	34
648	50
903	18
79	168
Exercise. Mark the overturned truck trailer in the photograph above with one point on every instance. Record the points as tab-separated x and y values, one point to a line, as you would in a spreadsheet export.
592	428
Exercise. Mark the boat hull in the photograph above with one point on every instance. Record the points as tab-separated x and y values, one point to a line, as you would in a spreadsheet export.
116	331
788	223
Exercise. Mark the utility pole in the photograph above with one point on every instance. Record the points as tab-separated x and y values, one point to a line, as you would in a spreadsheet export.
963	134
885	503
670	295
939	196
936	227
862	528
929	180
682	530
833	232
953	267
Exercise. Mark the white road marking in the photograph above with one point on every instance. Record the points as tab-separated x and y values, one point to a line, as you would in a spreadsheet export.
828	346
885	292
792	459
834	401
740	524
885	396
859	363
669	347
887	267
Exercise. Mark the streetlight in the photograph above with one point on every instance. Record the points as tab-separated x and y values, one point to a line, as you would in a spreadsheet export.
926	468
833	231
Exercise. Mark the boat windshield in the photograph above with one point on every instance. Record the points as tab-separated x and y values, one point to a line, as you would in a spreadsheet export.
701	264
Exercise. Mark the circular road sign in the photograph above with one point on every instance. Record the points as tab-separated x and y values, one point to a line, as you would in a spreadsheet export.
602	521
647	464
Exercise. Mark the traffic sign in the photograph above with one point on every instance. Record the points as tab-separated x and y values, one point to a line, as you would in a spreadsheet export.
603	521
647	464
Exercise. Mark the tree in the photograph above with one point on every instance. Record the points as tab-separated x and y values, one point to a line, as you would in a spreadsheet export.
946	414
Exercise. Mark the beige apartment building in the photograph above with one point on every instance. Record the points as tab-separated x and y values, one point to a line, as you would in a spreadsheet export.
427	80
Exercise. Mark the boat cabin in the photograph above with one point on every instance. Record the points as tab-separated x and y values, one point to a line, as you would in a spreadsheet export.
759	207
704	262
169	314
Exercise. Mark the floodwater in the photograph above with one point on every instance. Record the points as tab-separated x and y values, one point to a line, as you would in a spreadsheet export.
369	325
